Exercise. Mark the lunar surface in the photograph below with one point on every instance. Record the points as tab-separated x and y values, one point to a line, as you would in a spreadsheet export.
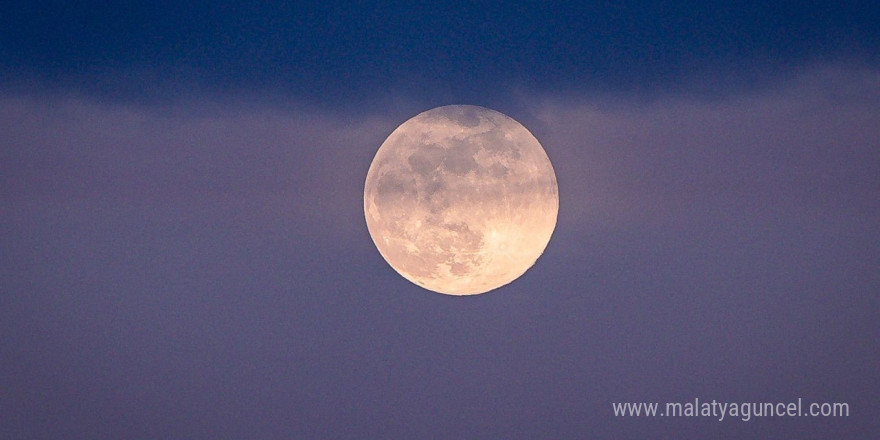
461	200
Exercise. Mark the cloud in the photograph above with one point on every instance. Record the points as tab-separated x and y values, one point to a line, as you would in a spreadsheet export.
258	162
160	259
809	140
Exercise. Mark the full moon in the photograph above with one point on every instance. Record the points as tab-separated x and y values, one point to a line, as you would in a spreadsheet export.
461	200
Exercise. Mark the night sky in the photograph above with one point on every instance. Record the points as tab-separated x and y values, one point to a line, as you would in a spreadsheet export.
184	255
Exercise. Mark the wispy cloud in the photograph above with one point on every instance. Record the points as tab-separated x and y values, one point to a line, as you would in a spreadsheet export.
253	161
812	140
161	259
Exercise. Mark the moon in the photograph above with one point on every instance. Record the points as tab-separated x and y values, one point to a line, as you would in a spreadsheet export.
461	200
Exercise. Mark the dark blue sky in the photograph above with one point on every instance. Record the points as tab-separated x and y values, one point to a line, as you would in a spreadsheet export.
183	252
338	51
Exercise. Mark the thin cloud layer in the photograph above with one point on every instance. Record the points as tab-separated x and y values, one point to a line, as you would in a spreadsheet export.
194	270
808	143
811	141
257	162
